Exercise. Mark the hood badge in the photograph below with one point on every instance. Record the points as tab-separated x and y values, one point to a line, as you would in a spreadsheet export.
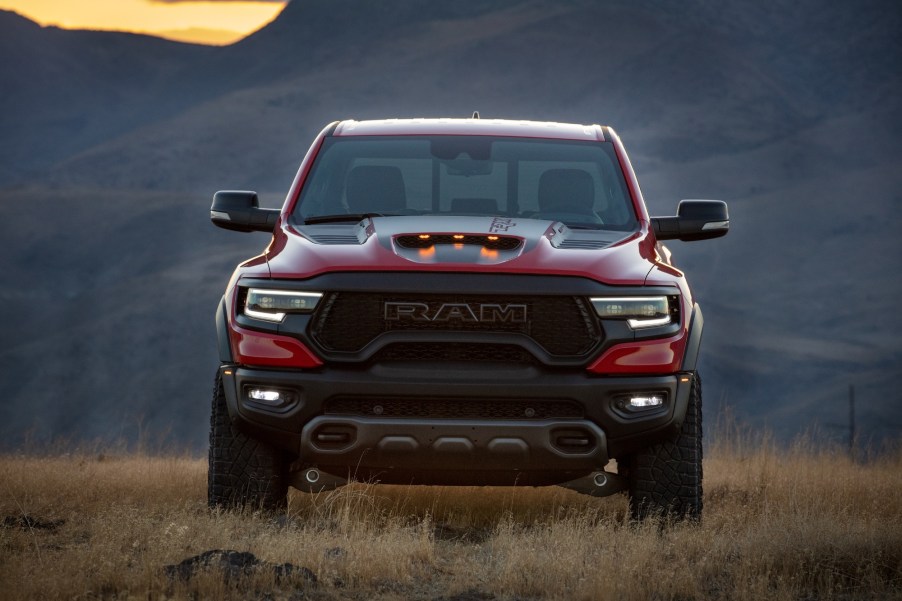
501	224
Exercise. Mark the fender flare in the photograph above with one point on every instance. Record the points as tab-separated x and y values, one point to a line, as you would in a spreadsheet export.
696	325
222	334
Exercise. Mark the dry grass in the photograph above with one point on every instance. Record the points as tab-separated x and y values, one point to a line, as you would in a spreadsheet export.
797	524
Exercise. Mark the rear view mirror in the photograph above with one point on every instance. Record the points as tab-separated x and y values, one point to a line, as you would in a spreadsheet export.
695	220
468	167
239	211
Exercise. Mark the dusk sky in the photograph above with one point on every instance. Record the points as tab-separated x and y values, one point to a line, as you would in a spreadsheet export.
209	22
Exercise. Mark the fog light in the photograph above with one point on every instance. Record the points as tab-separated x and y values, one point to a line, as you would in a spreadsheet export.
643	402
263	395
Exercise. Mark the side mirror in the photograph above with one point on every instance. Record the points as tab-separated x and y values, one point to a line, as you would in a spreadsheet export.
695	220
239	211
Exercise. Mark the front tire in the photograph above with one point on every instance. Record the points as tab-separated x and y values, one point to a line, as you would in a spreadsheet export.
665	480
242	470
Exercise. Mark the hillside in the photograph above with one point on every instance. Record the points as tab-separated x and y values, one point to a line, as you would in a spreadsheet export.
66	91
114	144
710	79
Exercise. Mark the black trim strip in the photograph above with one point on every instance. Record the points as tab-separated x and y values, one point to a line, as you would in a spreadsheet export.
696	325
222	333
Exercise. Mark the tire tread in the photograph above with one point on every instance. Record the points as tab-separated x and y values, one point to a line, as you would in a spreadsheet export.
242	470
665	480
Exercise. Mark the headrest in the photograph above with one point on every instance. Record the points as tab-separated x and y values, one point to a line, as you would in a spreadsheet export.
372	189
568	188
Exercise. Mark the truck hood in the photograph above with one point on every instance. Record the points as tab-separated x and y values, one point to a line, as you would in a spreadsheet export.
475	244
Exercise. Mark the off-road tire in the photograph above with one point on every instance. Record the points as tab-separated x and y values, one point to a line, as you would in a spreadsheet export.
242	470
665	480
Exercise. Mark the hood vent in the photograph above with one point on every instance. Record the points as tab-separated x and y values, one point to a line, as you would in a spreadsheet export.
335	239
582	244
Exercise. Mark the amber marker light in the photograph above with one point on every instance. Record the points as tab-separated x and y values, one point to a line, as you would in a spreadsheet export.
424	236
458	236
493	238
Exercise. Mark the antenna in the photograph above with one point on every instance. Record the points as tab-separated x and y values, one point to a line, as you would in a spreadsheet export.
476	114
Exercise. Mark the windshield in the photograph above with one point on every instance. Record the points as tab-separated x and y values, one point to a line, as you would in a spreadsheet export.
579	183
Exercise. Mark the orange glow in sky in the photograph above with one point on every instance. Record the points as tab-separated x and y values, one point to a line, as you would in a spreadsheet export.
203	22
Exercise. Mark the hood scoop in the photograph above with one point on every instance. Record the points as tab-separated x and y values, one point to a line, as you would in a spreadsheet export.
479	249
489	241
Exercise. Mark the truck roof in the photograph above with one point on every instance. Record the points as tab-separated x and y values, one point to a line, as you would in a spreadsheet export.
470	127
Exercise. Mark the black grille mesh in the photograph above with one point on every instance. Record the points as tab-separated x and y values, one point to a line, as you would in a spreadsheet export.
562	325
445	352
454	408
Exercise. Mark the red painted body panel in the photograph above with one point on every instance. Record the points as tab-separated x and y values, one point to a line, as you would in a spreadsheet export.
260	349
645	357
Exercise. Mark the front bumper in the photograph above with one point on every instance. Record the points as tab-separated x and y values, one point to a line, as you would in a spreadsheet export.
496	447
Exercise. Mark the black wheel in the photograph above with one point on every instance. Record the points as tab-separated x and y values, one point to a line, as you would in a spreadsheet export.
665	480
242	470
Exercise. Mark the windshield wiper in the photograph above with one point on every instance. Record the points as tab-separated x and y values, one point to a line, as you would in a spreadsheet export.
342	217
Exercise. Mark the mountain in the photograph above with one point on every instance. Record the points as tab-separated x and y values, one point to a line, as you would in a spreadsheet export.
765	73
65	91
113	144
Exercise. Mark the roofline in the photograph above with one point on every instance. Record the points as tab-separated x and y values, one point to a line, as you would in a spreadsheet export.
475	127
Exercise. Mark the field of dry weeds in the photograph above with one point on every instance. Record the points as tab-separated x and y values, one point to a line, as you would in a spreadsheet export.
796	524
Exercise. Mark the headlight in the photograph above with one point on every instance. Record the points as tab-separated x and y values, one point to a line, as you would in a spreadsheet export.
273	305
638	311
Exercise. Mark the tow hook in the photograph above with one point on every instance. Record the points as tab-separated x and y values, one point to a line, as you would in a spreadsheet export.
597	484
311	479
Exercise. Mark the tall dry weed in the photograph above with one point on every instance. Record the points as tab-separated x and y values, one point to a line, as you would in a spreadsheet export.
798	523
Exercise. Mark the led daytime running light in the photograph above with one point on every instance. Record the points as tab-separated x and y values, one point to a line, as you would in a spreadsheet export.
273	305
638	311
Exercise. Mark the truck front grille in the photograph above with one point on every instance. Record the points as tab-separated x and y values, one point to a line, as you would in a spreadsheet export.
562	325
454	408
445	352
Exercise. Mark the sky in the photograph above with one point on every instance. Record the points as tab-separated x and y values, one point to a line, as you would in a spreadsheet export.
204	22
